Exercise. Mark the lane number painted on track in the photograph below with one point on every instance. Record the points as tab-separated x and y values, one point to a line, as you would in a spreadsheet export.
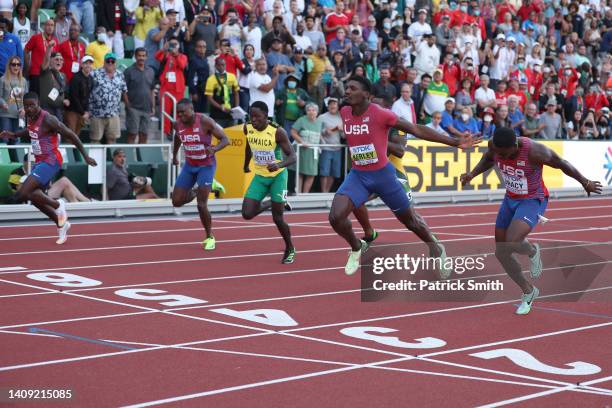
68	280
156	294
523	359
365	333
269	317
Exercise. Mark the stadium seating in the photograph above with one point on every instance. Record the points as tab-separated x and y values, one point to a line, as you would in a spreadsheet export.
159	166
6	167
43	16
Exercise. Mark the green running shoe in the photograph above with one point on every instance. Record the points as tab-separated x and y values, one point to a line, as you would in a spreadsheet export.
354	257
289	256
209	243
526	302
371	238
218	187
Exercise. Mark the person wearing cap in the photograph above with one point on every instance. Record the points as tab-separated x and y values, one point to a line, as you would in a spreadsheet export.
53	84
290	103
73	52
278	32
503	59
427	55
77	111
447	119
435	96
233	63
445	35
99	48
176	6
486	126
109	89
419	28
551	121
34	53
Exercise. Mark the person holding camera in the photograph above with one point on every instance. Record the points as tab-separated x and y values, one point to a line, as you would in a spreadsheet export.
122	185
171	75
231	30
202	28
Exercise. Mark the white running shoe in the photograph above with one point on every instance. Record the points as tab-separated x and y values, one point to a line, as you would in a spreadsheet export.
527	301
62	215
535	263
354	257
445	272
542	219
63	233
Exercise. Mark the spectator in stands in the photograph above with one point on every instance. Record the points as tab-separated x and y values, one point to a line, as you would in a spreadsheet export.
83	13
428	56
77	111
229	54
301	39
140	82
316	36
35	51
112	16
99	48
383	89
532	126
290	103
573	126
222	93
172	76
248	63
202	28
62	188
231	31
147	17
122	185
435	96
404	106
21	23
261	85
435	124
516	117
318	63
197	74
588	129
252	35
53	84
487	127
10	45
330	162
276	57
155	41
552	121
466	122
13	86
485	96
177	5
108	90
278	33
306	131
72	51
63	21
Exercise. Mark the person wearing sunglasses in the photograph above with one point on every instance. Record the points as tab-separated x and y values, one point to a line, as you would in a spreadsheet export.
12	88
10	45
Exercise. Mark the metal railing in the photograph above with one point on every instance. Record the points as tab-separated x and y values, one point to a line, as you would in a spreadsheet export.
100	154
316	146
163	114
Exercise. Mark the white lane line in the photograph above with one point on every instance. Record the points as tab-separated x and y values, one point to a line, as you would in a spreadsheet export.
12	268
544	393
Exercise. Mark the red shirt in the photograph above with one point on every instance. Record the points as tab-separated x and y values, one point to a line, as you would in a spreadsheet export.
502	10
44	145
437	18
522	178
334	20
173	76
232	63
501	98
568	83
523	12
459	17
596	101
366	136
38	45
451	75
238	7
195	141
72	53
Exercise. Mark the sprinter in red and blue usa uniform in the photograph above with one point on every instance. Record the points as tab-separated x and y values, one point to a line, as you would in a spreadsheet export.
195	132
44	131
520	161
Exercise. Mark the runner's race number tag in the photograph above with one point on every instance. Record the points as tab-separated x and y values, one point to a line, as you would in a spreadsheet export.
364	154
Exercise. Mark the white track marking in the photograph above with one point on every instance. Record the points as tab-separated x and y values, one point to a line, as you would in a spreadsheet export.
544	393
12	268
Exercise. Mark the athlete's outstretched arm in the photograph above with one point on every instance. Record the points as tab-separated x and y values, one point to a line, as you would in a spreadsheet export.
58	127
540	153
217	132
176	145
248	154
283	141
485	163
19	134
423	132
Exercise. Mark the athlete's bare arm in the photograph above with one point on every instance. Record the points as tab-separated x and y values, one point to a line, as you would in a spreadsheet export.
217	132
283	141
248	154
541	154
485	163
15	135
55	126
462	141
176	144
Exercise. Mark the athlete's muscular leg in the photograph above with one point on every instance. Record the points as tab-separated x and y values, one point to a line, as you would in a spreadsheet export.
362	216
341	208
202	196
252	208
283	227
181	196
509	241
31	190
415	223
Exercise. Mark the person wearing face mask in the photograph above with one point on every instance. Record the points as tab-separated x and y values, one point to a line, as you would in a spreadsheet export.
568	80
487	127
465	123
222	92
99	48
603	126
419	28
290	103
461	16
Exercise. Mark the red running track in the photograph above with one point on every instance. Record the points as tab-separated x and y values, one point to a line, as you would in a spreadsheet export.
134	313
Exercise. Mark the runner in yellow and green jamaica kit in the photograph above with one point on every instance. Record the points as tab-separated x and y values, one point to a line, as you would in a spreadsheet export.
266	143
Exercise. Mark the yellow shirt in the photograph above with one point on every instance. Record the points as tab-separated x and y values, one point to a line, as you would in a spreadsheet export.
98	51
146	21
318	67
264	148
212	86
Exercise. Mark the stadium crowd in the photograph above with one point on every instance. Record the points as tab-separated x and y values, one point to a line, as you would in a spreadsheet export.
541	67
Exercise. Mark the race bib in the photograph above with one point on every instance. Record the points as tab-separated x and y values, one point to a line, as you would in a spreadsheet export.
516	184
263	157
364	154
75	67
53	94
171	77
194	148
485	69
36	147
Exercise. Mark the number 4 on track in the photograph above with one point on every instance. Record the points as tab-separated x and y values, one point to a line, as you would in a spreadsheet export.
269	317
